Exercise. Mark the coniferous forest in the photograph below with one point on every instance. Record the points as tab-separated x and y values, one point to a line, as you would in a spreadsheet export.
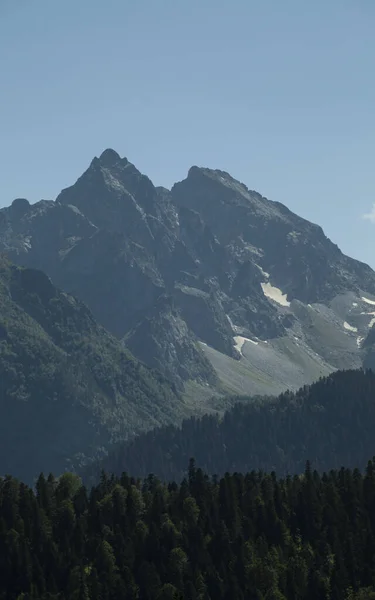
244	536
280	519
330	423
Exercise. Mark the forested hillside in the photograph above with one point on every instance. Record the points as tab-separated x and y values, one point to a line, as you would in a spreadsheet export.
331	423
67	387
246	536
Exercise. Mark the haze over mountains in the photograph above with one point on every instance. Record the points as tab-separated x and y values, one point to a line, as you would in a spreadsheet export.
212	286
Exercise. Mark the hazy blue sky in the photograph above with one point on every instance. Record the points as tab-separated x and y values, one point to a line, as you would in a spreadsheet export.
279	93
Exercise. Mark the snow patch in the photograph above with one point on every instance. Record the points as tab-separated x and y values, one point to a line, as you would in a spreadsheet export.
371	322
275	294
240	340
350	327
368	300
359	341
355	304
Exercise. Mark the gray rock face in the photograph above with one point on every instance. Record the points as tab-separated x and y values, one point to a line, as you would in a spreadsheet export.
296	253
205	315
39	235
240	270
163	340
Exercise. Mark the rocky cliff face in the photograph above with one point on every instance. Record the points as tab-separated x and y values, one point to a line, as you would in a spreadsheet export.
257	293
296	253
163	340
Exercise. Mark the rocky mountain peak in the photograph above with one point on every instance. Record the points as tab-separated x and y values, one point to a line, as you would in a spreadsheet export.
219	177
109	158
194	172
243	272
20	206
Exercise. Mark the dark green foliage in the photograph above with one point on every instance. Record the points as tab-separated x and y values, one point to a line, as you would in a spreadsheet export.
67	387
332	423
245	536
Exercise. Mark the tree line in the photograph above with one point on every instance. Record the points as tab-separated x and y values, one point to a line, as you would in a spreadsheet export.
331	423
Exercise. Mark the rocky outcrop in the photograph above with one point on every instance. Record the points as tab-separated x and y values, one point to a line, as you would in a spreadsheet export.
163	340
205	316
40	235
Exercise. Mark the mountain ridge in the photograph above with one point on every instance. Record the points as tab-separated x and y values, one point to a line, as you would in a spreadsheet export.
235	264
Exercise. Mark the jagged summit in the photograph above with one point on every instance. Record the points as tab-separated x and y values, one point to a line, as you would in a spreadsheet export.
20	202
218	174
109	157
20	205
265	295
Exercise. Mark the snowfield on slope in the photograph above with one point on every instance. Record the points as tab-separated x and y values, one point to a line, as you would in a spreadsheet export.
368	301
275	294
240	341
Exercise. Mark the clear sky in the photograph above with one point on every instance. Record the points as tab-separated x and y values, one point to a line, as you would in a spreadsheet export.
280	93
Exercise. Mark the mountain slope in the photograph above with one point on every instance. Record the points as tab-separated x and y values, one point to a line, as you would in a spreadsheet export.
171	348
273	302
294	252
68	388
330	423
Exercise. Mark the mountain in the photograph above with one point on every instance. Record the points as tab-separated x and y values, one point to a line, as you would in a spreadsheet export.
297	254
170	346
68	388
330	423
220	288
